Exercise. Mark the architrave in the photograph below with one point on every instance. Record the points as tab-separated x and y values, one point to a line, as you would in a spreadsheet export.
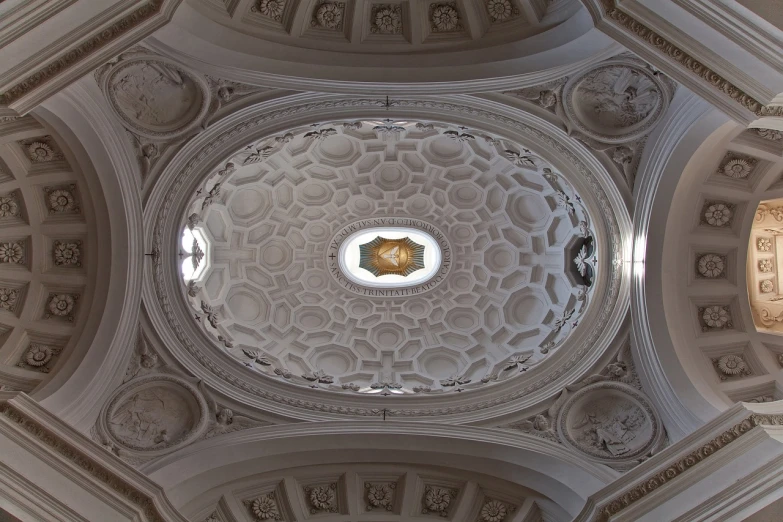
28	424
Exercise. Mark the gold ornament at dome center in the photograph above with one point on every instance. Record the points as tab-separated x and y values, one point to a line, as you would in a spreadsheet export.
383	256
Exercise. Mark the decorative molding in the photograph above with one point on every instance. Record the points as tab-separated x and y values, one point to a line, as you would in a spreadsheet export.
164	298
639	491
612	107
438	499
38	356
95	43
612	13
83	462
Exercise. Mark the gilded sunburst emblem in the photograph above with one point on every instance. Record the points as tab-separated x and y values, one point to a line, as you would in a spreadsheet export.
383	256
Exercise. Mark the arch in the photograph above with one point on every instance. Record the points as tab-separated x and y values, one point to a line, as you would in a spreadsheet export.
541	466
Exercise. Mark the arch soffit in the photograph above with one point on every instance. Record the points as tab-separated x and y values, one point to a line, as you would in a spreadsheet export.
76	394
564	477
671	147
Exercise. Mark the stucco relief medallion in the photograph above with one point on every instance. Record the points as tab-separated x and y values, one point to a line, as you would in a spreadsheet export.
156	98
154	413
610	422
617	102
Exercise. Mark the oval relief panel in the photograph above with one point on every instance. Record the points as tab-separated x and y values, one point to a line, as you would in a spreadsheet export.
156	97
610	422
616	102
154	413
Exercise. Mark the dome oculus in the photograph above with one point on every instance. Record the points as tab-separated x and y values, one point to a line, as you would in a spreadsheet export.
389	256
383	256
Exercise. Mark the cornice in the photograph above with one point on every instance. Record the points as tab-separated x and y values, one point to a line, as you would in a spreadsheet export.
21	417
610	17
96	46
26	15
641	489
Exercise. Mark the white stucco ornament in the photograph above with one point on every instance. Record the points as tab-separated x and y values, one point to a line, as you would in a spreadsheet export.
153	96
152	413
611	422
364	347
617	102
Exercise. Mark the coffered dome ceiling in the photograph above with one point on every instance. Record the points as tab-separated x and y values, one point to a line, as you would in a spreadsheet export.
514	280
516	258
47	253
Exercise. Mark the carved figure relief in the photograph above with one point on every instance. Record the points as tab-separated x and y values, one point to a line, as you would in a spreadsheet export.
611	108
224	420
153	96
151	417
610	421
143	361
616	102
154	412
